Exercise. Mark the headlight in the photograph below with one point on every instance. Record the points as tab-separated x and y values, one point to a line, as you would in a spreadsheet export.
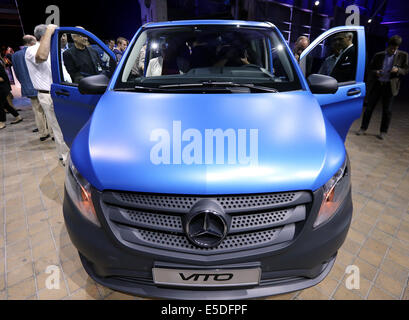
79	190
335	191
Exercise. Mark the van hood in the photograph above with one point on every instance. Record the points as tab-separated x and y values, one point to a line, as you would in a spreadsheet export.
162	143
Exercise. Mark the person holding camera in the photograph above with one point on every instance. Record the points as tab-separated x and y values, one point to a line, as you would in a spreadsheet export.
385	71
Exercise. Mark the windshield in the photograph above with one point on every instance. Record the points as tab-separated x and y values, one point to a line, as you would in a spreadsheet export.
208	56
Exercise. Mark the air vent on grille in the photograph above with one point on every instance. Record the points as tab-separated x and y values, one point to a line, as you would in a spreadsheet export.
258	219
253	201
172	241
157	201
155	219
239	223
183	204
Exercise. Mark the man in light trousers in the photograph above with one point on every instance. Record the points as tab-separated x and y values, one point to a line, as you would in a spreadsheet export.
39	67
27	89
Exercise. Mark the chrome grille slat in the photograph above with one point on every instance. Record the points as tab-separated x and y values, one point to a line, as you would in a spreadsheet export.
144	219
239	223
183	204
230	243
265	220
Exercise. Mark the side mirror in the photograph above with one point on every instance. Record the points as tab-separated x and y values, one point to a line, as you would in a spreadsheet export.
320	83
93	84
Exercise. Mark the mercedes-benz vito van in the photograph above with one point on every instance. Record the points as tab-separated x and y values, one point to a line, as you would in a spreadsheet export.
208	163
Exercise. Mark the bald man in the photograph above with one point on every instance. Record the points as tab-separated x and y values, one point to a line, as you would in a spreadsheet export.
300	45
82	60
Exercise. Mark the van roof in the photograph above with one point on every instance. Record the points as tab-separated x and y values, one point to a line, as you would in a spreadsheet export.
207	22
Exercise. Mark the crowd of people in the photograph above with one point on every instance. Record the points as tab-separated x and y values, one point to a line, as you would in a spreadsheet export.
31	67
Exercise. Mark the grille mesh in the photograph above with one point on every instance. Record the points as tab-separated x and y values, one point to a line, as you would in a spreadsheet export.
255	201
173	223
241	241
155	219
258	219
185	203
157	201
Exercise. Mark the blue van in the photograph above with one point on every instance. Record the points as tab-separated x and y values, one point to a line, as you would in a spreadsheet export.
209	163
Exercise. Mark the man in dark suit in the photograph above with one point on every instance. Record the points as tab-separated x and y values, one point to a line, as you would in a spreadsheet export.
82	60
385	71
345	66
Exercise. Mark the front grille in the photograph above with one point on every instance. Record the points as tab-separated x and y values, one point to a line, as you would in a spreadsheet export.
157	220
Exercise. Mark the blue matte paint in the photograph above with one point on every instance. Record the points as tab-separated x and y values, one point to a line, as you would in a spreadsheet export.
72	111
293	143
299	148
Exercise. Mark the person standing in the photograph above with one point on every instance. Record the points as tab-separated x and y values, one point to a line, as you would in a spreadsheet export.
345	66
27	89
385	72
82	60
39	67
300	45
8	63
110	44
121	45
5	89
329	62
64	43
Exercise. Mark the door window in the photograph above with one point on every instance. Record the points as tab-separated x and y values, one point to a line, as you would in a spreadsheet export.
81	57
335	56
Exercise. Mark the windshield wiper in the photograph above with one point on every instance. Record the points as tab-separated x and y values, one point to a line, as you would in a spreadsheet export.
205	86
142	89
209	84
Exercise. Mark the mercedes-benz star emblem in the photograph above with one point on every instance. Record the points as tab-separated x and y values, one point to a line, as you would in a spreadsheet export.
206	229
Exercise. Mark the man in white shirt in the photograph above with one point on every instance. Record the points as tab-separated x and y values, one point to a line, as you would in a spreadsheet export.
155	67
39	67
166	63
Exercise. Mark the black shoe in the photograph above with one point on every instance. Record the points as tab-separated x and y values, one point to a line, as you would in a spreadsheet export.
18	119
35	130
381	136
53	139
44	138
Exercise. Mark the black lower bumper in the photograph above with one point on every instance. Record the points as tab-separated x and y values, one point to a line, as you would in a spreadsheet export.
286	267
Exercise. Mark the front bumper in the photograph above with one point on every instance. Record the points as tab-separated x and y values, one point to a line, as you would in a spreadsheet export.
286	267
